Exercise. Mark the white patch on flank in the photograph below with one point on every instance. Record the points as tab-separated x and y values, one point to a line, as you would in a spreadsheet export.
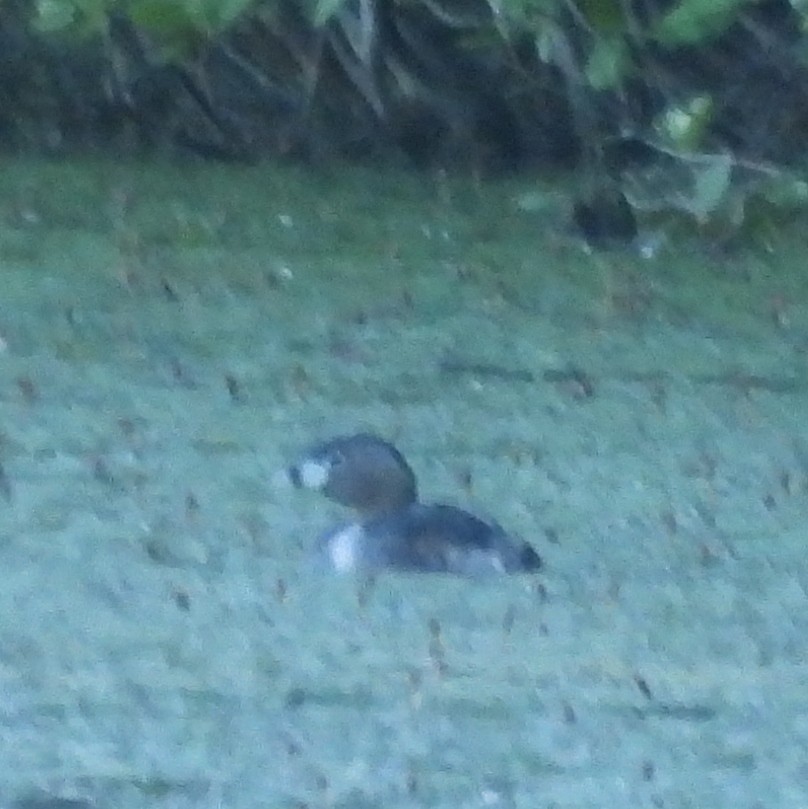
314	475
343	548
475	562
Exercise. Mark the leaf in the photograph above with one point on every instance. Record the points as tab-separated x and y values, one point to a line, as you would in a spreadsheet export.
160	17
324	10
536	201
213	16
54	15
684	126
174	31
710	187
694	21
608	63
605	16
786	191
79	18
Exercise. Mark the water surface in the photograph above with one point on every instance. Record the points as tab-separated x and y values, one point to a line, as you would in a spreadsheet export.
173	336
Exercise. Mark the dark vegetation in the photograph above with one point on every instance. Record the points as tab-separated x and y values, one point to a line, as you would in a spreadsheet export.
691	111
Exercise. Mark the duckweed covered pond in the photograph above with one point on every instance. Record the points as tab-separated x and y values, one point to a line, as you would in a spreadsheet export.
172	336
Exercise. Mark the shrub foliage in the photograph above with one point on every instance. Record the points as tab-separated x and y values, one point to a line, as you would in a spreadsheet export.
695	108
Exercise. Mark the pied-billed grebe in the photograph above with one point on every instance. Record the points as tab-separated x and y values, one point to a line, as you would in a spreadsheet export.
394	531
